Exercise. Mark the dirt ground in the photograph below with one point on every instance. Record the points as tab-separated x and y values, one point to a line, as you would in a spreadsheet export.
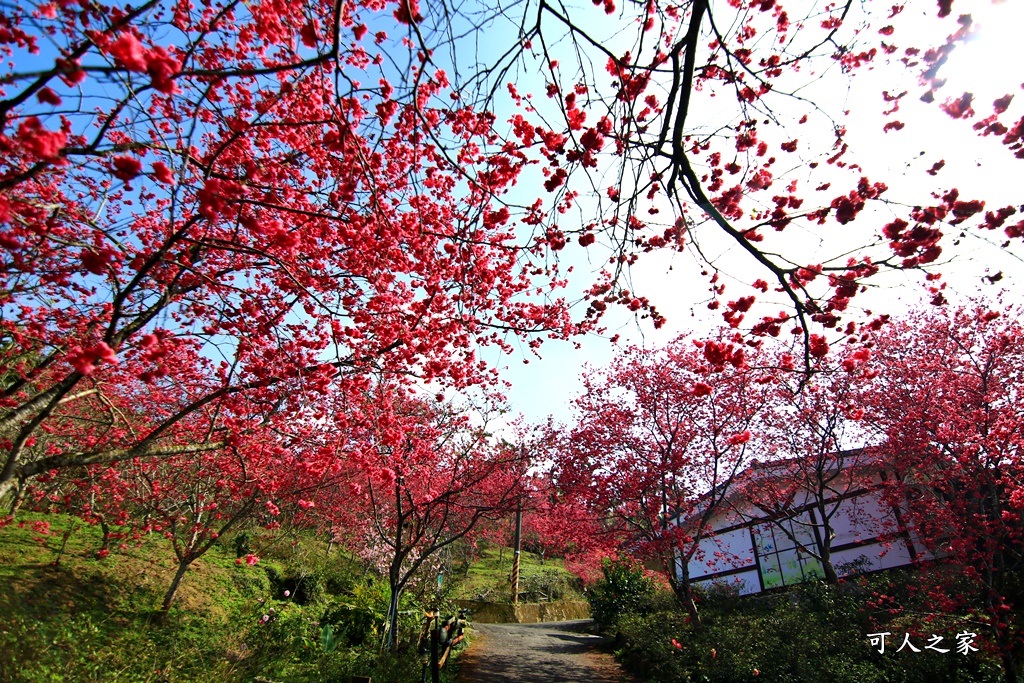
553	652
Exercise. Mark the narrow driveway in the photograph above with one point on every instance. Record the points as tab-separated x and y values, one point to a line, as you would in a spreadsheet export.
553	652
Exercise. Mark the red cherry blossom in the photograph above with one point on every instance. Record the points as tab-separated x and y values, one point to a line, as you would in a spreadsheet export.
126	168
128	52
48	96
40	142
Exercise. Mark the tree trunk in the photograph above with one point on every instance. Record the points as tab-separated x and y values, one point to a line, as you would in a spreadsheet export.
684	596
392	620
8	482
682	589
64	542
165	608
825	556
106	533
18	489
831	577
1010	672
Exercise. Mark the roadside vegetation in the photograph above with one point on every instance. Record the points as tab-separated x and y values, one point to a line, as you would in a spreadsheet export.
486	578
301	613
802	635
73	612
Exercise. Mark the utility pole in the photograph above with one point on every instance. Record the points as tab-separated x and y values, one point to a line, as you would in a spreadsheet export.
515	556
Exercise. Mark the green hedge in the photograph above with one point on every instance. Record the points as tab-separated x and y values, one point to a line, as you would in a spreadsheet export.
623	589
812	633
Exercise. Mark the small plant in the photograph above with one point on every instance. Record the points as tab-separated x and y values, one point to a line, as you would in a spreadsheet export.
242	543
327	640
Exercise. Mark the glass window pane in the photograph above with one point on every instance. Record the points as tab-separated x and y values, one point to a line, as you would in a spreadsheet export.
771	576
789	565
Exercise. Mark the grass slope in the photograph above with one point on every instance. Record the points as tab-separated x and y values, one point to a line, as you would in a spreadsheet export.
488	578
67	614
70	616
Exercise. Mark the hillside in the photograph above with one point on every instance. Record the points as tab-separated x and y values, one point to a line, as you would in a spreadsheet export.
487	578
71	615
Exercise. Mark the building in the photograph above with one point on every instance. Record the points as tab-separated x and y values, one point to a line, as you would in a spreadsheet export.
753	546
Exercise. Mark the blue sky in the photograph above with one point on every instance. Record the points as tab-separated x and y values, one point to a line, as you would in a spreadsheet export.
979	167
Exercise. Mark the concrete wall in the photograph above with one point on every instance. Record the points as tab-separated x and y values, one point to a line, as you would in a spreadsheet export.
525	612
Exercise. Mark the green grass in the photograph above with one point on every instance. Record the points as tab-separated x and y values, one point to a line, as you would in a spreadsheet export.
489	578
86	619
70	616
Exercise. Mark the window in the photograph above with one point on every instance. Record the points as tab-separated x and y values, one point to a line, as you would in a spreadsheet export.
780	551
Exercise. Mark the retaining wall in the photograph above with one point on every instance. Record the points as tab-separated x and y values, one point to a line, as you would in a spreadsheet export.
525	612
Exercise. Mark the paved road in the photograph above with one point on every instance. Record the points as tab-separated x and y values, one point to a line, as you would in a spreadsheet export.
554	652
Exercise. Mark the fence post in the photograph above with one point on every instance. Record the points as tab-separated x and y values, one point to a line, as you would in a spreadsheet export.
515	557
435	637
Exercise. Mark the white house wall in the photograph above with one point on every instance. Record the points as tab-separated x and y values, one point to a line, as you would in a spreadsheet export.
743	583
729	556
723	552
875	556
861	518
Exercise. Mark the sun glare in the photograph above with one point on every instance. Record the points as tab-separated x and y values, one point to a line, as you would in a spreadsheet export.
986	65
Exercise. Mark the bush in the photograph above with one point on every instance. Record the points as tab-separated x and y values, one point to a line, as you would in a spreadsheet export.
645	649
251	582
242	543
812	632
356	617
547	585
623	589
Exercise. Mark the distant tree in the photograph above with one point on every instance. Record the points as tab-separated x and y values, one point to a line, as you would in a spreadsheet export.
811	438
950	402
424	477
659	439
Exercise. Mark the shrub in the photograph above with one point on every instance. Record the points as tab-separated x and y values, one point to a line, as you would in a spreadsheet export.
353	623
251	581
623	589
547	585
242	543
812	632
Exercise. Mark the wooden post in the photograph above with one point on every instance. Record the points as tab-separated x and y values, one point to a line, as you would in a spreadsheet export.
515	557
435	637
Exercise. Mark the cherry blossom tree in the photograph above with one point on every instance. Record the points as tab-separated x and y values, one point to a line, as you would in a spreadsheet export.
233	234
423	477
658	442
812	440
556	526
949	401
96	495
191	500
696	125
214	214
